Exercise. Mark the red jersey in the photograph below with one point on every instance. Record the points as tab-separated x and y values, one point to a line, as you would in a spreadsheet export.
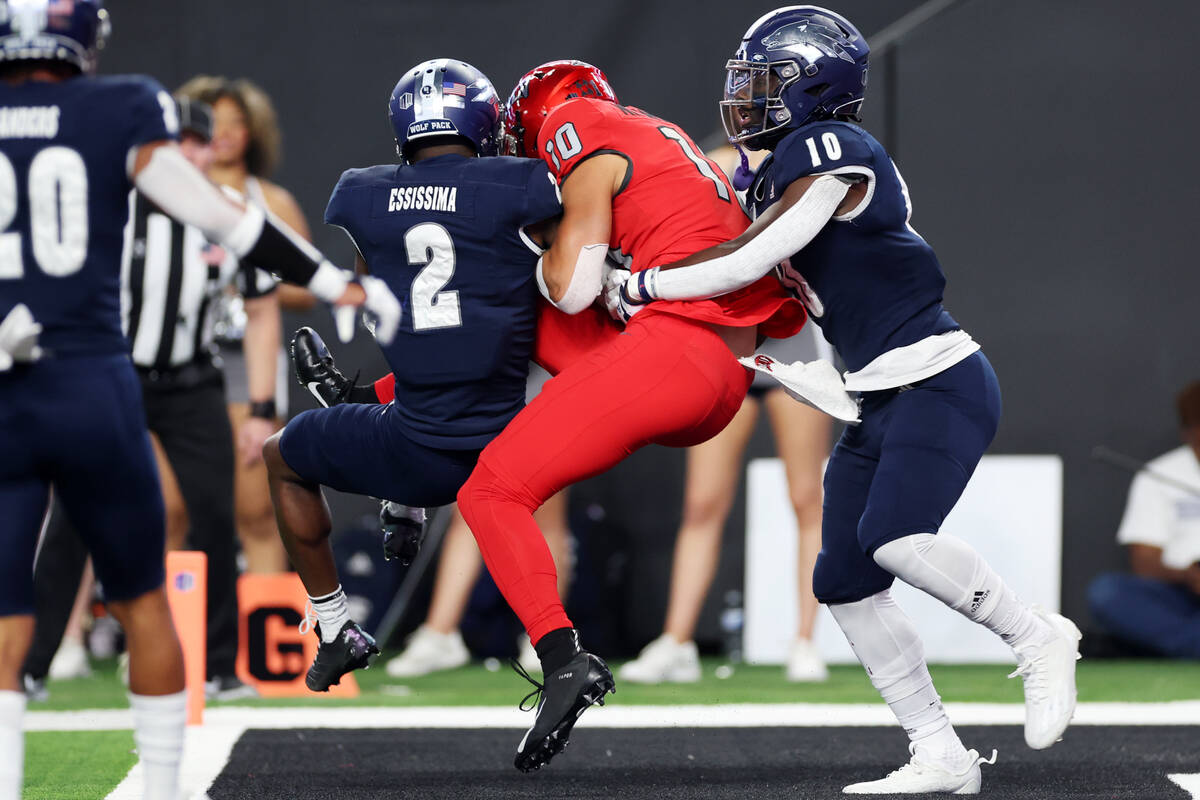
674	202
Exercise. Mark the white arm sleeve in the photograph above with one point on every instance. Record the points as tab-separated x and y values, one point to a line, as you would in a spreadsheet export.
173	184
794	229
586	280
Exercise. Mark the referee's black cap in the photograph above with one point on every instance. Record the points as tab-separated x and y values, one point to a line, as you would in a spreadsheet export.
195	117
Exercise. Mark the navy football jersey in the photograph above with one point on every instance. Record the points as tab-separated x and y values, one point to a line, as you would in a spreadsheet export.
868	279
446	235
64	195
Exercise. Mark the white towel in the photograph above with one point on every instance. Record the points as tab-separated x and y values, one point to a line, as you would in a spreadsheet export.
814	383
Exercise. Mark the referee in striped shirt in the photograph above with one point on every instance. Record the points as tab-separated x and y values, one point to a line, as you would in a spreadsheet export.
171	279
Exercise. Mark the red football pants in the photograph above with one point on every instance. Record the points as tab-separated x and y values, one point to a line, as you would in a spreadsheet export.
666	380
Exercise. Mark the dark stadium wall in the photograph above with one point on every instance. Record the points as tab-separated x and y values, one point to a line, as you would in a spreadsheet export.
1047	147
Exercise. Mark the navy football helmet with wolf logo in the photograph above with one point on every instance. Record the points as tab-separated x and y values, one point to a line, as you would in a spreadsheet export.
445	97
795	65
72	31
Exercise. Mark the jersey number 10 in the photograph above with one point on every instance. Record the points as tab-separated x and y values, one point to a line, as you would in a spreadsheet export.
58	213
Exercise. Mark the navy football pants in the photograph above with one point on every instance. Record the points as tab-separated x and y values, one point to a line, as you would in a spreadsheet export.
360	449
77	424
900	471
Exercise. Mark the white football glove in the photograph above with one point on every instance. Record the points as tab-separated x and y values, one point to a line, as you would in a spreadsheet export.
18	337
381	308
615	300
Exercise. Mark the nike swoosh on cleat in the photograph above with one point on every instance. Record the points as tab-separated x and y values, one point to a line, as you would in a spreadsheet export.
312	387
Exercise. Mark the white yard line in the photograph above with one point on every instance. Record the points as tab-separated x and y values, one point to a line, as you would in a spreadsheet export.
208	746
741	715
1189	783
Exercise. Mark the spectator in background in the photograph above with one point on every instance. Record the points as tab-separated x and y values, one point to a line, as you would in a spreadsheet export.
1157	608
802	441
246	150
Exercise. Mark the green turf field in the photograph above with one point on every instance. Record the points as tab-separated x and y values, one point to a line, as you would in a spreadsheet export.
82	765
1099	681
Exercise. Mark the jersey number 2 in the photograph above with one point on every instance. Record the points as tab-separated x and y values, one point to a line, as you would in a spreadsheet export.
58	213
429	246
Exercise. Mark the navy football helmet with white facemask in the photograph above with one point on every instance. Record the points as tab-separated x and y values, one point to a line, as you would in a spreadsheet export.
70	31
795	65
445	97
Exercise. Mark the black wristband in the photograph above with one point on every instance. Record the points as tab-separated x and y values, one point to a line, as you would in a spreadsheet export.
263	409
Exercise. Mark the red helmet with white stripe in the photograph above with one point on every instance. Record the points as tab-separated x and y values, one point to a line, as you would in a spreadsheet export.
540	91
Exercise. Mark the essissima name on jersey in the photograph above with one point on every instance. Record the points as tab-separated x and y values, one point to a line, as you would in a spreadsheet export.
423	198
29	122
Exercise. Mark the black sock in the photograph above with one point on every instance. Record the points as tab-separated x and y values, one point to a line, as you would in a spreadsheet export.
363	394
557	648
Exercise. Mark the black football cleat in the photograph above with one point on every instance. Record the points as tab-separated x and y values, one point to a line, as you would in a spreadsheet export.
402	535
315	369
561	700
353	649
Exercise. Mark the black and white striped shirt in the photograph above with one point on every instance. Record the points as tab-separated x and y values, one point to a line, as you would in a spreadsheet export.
170	276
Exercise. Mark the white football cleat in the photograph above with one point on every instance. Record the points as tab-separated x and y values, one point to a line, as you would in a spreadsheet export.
70	661
1048	669
429	651
663	661
804	663
918	777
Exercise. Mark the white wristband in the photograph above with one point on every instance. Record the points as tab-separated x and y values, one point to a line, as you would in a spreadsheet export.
329	283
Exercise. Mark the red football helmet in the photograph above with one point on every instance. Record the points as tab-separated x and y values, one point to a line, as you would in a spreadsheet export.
543	89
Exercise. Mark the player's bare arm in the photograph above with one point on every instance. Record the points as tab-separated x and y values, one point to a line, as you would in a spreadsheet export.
543	233
261	343
785	228
571	271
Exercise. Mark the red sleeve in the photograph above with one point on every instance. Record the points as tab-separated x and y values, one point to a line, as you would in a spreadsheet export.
385	388
575	130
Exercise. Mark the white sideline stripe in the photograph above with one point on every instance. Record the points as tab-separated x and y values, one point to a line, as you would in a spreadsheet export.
1189	783
205	753
730	715
208	747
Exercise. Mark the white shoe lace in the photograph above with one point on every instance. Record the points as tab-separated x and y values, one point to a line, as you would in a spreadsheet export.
310	618
918	767
1030	669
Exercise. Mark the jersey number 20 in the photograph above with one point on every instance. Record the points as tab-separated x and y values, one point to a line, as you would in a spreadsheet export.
430	247
58	213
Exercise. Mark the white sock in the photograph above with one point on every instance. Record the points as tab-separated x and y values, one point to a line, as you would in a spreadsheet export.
953	572
158	723
12	744
887	645
332	613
